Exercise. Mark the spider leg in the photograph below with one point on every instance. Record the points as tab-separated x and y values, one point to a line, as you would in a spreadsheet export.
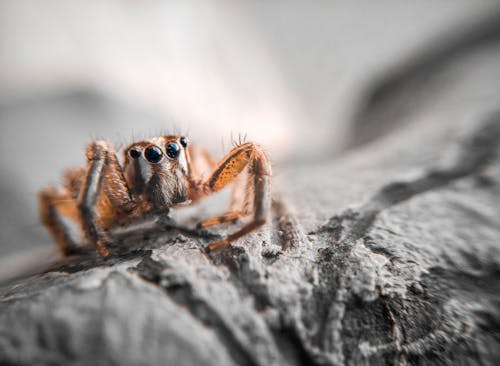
240	195
98	211
59	213
230	216
261	210
252	157
201	161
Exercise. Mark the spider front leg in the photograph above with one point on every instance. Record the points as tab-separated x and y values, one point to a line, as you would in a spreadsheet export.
258	187
240	202
104	195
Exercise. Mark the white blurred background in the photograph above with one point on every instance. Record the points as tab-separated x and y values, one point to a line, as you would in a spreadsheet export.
289	74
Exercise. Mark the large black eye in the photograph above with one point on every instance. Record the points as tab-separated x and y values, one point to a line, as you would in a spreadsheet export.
134	153
153	154
183	141
173	150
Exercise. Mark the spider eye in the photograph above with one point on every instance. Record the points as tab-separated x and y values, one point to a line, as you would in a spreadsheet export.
134	153
153	154
184	141
173	150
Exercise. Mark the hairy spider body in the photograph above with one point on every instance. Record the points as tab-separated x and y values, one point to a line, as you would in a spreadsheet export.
156	175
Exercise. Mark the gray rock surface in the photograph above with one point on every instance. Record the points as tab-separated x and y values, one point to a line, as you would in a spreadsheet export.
388	255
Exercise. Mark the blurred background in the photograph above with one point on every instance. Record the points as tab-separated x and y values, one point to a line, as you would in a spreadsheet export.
289	74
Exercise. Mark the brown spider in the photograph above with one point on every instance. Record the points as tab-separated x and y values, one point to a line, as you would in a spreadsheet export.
157	174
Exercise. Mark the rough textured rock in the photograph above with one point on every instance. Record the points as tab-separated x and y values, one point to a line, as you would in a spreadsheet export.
388	255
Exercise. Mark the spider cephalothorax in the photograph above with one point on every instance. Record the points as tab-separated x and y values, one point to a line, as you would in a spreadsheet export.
156	174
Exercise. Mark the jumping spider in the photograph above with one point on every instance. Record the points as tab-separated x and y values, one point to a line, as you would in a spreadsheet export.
157	174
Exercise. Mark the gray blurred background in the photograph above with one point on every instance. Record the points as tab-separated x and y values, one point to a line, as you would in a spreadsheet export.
289	74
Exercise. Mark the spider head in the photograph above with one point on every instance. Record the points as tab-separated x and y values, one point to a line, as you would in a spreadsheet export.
158	167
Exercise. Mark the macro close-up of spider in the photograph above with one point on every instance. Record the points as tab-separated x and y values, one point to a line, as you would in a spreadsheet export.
357	225
155	175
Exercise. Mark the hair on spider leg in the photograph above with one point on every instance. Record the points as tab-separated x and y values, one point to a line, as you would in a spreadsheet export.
237	142
242	138
232	138
240	141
